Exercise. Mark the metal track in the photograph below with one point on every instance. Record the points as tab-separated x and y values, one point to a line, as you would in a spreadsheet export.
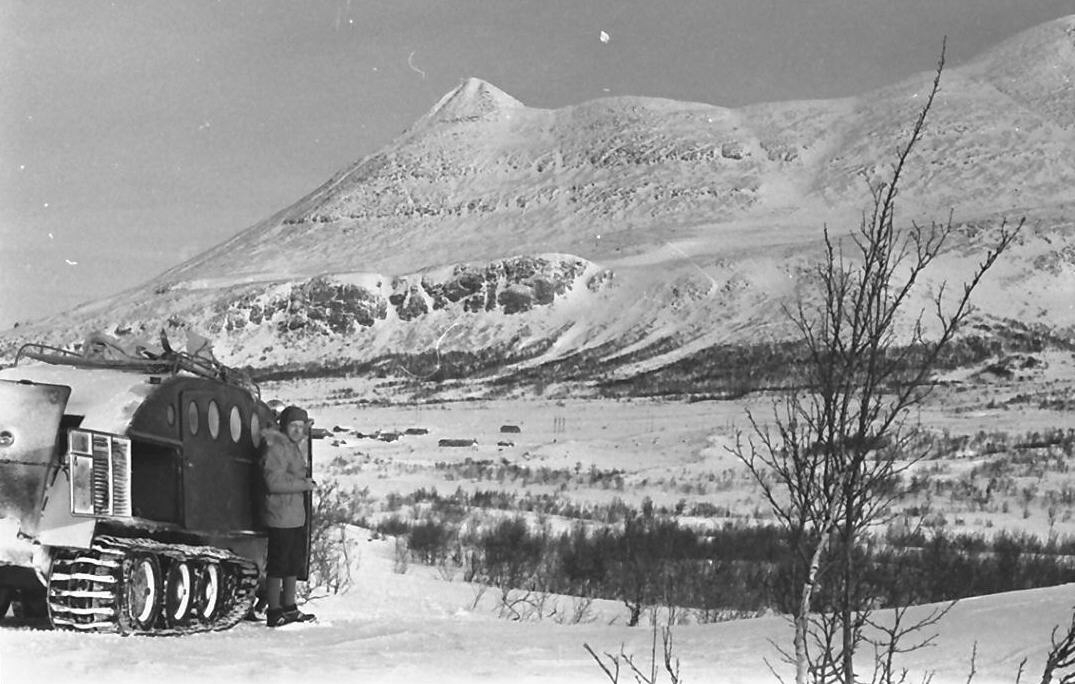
87	587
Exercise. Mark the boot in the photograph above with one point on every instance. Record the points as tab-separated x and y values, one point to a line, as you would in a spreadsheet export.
298	615
278	617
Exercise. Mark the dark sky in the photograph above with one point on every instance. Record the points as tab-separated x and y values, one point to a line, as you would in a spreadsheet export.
134	135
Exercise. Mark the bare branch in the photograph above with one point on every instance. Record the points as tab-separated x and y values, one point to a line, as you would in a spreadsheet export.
827	463
973	662
1061	656
613	674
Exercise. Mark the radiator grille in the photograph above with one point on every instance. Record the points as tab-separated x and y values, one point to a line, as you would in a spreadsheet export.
100	473
121	477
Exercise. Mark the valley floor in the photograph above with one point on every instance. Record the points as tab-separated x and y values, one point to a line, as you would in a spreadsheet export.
417	627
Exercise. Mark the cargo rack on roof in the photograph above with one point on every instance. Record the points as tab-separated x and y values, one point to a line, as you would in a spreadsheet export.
170	362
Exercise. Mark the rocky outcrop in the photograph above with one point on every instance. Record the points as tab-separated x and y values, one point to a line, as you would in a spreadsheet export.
328	305
409	300
510	285
318	305
333	306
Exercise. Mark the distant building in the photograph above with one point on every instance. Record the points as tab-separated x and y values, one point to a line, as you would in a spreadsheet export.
457	442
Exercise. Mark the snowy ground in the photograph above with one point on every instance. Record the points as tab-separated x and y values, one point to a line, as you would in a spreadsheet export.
676	450
416	627
420	627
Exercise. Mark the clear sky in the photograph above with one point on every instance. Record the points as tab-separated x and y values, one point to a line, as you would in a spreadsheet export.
134	135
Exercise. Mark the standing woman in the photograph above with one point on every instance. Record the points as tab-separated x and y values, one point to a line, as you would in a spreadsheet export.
283	468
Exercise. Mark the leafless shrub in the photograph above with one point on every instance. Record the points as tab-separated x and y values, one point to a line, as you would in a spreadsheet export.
581	612
479	593
448	569
401	556
332	558
332	552
518	605
614	664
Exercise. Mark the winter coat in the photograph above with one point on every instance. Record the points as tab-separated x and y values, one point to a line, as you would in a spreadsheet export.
283	470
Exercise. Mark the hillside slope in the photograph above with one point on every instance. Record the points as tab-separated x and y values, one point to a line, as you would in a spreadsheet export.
639	229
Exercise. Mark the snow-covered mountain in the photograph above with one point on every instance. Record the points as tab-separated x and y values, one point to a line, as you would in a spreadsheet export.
638	230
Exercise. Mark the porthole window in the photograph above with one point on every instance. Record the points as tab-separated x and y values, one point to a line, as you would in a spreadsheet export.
255	428
192	417
169	415
235	424
214	419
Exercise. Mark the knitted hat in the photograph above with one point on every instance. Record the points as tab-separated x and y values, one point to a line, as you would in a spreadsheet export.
293	413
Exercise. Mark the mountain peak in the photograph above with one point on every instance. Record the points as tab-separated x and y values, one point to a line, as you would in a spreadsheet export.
472	99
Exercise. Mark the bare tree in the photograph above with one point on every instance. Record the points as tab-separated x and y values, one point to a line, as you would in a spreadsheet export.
829	461
612	665
1061	657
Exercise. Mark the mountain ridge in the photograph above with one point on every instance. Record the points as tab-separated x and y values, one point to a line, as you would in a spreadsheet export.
691	222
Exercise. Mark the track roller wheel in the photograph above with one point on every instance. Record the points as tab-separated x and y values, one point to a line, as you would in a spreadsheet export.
141	597
179	593
208	588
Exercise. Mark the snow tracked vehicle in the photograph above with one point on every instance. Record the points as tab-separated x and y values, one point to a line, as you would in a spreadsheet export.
128	491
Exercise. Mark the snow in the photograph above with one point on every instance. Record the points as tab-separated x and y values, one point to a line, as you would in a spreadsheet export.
799	158
420	627
105	398
675	190
417	627
472	99
423	626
